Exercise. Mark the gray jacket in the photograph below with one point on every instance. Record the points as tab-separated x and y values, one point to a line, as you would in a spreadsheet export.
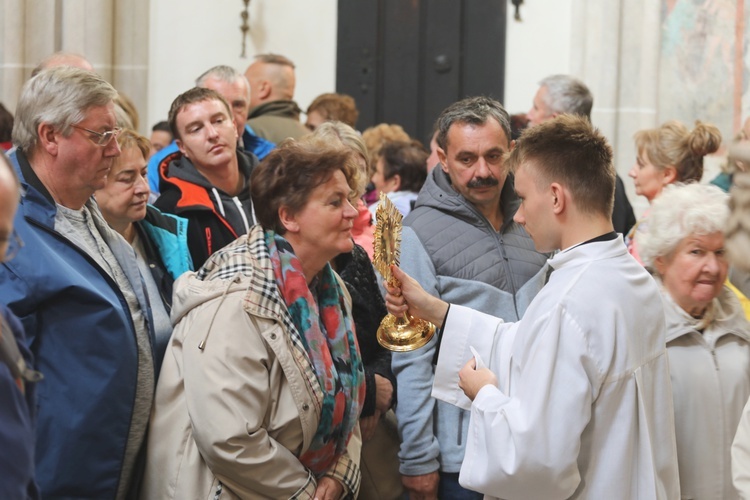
455	254
709	366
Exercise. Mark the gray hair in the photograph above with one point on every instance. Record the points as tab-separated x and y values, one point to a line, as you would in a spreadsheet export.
681	210
474	111
566	94
60	97
223	73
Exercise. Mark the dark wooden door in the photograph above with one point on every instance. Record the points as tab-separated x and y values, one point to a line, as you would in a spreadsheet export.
404	61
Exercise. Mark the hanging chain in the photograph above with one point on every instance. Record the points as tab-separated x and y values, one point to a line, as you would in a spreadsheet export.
245	27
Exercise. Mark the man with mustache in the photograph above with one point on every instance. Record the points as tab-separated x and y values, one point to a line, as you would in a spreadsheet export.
207	181
461	244
77	289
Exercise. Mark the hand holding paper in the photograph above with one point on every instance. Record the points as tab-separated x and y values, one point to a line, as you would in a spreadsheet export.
478	362
475	375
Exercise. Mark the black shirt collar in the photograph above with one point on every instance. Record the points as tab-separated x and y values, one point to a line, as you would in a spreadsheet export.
612	235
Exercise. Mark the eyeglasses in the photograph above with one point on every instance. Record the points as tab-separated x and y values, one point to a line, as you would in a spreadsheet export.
15	243
103	138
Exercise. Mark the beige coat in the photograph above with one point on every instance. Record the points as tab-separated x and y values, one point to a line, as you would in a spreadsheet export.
237	401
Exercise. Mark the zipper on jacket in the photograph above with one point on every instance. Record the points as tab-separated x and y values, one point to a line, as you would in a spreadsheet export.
459	439
209	243
508	271
498	234
167	301
713	356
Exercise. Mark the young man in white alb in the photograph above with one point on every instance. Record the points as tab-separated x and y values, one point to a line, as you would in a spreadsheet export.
576	402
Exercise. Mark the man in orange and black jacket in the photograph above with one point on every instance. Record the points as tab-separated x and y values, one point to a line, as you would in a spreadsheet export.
208	180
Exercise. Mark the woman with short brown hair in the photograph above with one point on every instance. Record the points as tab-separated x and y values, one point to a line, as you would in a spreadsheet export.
262	385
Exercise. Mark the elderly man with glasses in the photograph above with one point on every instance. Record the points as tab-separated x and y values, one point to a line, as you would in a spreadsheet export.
77	289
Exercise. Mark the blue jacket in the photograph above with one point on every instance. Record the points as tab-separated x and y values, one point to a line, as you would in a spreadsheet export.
164	238
16	416
258	146
81	333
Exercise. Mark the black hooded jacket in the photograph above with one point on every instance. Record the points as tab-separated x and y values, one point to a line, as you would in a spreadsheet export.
215	218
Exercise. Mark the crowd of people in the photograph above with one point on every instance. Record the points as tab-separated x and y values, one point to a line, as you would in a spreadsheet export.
194	314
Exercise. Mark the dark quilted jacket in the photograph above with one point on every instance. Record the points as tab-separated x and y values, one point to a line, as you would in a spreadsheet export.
368	309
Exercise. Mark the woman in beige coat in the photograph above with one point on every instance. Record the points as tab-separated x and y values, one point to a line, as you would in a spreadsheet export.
262	383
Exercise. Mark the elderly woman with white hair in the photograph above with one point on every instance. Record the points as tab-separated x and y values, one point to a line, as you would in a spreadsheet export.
708	337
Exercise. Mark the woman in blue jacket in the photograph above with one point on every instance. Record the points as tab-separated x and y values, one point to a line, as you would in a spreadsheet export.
159	239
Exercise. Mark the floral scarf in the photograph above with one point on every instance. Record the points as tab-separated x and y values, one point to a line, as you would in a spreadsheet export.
327	334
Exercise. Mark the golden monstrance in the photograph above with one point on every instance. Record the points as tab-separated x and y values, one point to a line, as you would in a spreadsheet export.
404	333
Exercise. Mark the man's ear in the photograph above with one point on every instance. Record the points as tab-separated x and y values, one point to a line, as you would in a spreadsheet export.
288	219
48	138
559	198
264	89
512	145
442	156
181	147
